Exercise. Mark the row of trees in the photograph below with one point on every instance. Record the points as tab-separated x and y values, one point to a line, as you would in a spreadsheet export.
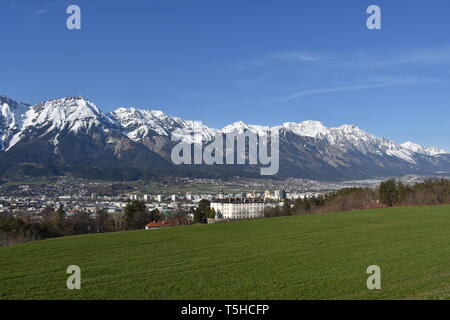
52	223
430	192
56	223
390	193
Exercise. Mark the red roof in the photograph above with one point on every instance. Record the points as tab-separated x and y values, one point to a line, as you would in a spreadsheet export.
155	224
161	224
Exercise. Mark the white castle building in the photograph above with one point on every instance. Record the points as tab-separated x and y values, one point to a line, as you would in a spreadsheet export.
238	209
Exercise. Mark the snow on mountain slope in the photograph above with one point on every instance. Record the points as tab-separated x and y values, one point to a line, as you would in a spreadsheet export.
352	137
346	137
417	148
79	115
241	127
11	118
308	128
72	114
138	124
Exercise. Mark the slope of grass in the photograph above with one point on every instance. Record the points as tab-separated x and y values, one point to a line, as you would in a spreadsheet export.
303	257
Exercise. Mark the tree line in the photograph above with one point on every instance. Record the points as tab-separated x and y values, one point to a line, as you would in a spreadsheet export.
389	193
51	222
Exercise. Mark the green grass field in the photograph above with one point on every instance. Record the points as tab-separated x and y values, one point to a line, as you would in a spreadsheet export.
323	256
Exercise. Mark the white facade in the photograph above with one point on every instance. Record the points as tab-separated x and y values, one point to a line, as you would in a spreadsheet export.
134	197
279	194
238	209
191	197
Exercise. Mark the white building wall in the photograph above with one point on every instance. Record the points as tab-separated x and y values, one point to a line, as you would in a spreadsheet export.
237	210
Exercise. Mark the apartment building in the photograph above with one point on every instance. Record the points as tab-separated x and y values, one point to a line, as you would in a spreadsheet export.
238	208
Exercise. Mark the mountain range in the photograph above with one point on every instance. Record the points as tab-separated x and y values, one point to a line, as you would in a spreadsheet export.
72	136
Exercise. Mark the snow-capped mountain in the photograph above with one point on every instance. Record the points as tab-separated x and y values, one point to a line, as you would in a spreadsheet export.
72	135
313	129
11	118
139	124
417	148
241	127
346	137
71	114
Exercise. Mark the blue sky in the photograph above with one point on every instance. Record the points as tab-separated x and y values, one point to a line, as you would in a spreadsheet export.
263	62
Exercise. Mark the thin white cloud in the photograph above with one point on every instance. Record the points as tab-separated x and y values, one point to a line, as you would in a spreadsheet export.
380	82
35	9
40	11
252	81
436	55
294	56
361	60
413	56
338	70
290	56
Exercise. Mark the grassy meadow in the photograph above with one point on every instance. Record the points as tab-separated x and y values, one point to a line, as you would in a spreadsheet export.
321	256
